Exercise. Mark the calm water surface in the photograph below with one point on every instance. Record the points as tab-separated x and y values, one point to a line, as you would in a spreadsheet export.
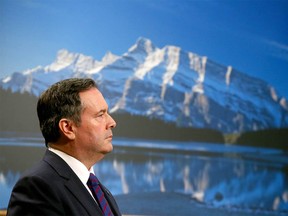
214	174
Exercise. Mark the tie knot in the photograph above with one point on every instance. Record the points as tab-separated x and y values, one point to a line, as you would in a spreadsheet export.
93	179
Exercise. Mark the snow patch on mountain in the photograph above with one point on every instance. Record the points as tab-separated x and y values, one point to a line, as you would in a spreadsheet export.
171	68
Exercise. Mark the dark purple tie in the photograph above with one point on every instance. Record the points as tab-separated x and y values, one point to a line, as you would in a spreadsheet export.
93	184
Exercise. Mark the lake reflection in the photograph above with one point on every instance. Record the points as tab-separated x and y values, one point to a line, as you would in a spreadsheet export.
213	174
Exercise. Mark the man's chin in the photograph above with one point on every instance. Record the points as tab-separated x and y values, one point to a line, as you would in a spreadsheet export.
108	149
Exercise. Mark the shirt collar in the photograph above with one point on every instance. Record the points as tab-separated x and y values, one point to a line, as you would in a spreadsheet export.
78	167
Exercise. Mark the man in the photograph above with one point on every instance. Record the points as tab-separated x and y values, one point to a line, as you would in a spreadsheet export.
77	129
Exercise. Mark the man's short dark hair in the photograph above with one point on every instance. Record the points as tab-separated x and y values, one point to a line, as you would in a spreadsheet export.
61	100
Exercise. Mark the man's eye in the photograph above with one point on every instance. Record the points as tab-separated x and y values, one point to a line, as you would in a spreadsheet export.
100	115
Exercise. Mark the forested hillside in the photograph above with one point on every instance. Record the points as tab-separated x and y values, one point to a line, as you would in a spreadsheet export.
272	138
18	113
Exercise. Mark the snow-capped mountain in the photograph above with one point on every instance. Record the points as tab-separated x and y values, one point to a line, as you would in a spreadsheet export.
167	83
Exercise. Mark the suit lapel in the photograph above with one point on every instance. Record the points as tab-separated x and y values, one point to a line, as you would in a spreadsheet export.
73	183
75	186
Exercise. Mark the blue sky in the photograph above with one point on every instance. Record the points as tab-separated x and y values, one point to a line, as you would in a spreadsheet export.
251	36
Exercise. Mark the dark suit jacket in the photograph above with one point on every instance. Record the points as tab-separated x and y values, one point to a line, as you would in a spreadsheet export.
52	188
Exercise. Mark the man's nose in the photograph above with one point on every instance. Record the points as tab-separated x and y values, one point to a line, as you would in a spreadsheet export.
111	122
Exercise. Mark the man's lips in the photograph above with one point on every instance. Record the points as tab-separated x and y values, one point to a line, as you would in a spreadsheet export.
110	136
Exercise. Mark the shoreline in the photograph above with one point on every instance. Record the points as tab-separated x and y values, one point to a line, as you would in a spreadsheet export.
173	204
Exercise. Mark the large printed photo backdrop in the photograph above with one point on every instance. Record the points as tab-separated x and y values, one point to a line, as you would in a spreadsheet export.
188	122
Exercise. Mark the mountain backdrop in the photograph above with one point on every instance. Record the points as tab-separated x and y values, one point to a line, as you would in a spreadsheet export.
167	84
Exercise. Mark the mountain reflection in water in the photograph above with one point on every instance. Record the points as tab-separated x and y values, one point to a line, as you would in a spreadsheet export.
213	174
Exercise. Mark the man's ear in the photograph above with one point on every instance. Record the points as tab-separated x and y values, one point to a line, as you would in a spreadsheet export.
66	126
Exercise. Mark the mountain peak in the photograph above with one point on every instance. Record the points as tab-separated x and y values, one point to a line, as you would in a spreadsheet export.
142	44
109	58
64	58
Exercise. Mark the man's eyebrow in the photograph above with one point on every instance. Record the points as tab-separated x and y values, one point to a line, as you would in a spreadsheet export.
102	111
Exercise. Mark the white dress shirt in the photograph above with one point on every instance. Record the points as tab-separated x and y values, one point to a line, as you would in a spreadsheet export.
79	168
